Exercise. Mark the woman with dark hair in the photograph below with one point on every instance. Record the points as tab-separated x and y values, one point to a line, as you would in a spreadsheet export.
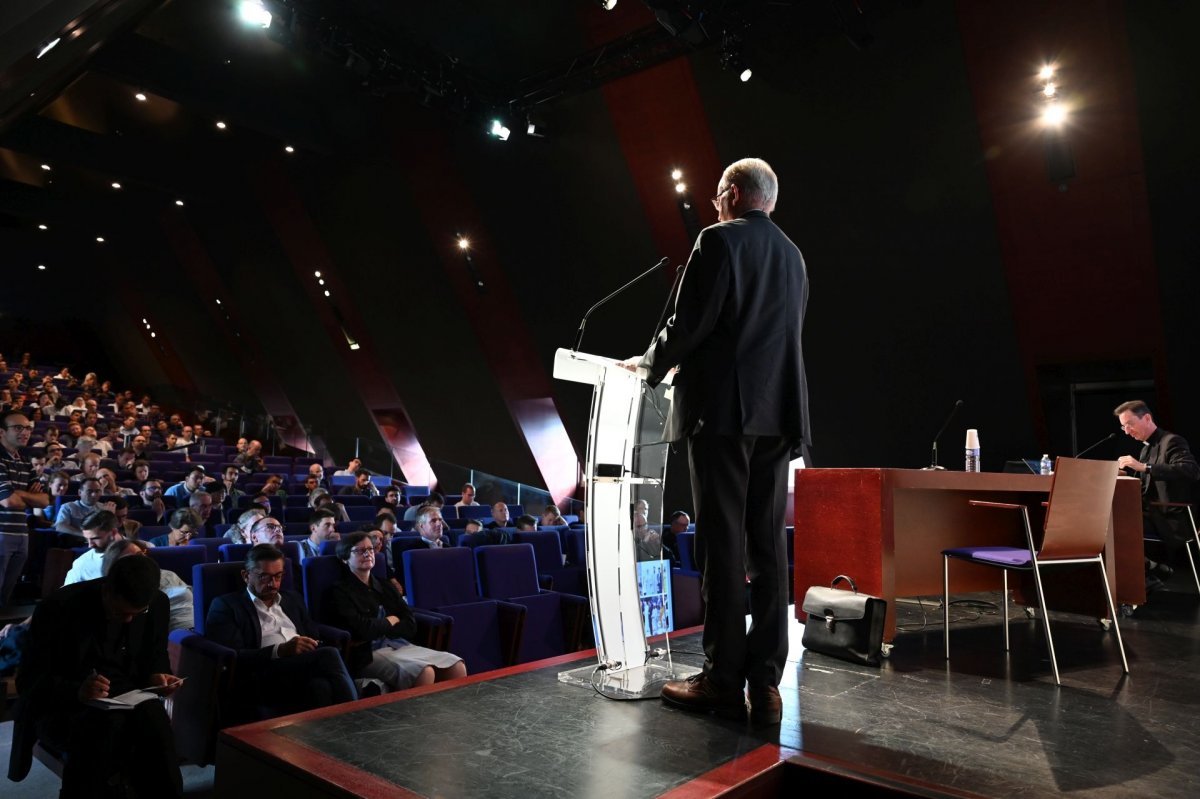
379	622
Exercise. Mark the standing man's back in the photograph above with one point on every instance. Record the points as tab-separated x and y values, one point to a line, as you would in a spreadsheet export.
741	402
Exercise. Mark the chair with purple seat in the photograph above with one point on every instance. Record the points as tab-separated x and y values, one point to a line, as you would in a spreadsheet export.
547	550
180	560
1078	517
554	621
486	632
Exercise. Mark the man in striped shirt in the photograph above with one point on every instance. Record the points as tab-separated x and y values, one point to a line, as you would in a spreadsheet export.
19	491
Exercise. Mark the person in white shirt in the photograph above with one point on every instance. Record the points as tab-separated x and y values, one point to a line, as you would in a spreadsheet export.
99	530
468	497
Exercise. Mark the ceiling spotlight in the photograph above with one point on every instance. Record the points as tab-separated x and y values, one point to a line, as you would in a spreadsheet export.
316	274
48	46
326	292
464	243
100	239
43	227
179	203
1049	89
41	267
221	125
747	73
499	131
608	5
218	302
354	345
676	174
45	167
152	334
116	185
680	188
1054	115
321	282
1046	72
144	322
140	97
253	12
289	149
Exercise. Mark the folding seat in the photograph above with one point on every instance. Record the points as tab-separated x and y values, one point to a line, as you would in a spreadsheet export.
180	560
554	622
486	632
547	548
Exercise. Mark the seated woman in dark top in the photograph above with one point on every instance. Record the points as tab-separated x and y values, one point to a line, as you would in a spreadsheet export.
379	621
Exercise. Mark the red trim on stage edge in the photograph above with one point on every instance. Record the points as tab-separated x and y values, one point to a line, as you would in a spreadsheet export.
736	773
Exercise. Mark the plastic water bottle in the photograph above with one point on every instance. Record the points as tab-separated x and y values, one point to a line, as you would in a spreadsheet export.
1047	466
972	452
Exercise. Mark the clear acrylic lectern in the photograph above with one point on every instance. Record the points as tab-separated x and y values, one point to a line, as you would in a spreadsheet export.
628	578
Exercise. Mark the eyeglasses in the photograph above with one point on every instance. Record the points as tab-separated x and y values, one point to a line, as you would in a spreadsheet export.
265	577
21	427
716	201
363	552
271	528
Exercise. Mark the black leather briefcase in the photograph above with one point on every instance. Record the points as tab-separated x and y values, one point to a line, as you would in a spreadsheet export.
844	624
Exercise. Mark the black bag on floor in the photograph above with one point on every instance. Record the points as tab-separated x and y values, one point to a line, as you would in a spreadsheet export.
844	624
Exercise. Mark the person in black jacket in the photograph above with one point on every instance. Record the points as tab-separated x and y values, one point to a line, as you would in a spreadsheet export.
740	399
1169	473
380	621
91	641
281	662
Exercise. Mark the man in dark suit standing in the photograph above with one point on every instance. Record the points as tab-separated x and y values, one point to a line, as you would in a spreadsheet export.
741	401
1168	472
281	663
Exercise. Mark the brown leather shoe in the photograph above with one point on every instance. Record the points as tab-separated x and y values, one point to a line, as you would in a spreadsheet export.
698	693
766	706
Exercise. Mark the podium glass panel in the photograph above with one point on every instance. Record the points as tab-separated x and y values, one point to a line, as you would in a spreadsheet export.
628	578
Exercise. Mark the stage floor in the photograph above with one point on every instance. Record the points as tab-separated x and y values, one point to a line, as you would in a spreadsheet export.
983	724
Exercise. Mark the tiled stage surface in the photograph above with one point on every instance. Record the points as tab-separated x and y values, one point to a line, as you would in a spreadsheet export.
985	723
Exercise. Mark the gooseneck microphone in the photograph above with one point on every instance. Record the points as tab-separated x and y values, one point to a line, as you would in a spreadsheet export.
1108	437
933	464
583	322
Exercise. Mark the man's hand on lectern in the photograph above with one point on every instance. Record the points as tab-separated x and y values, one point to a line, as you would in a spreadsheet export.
630	363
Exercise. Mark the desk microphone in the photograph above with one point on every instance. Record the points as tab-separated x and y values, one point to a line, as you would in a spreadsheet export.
1108	437
933	464
583	322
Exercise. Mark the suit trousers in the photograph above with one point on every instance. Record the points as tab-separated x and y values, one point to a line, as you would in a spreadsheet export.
739	486
304	682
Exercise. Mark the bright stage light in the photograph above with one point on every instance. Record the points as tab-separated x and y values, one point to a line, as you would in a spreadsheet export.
499	131
140	97
608	5
221	125
464	243
253	12
41	267
45	167
48	46
680	188
747	73
676	174
1054	115
1049	90
116	185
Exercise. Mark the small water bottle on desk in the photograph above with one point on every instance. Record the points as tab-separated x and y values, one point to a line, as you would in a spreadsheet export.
1047	466
972	453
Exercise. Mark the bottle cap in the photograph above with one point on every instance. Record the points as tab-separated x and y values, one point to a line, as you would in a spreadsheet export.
972	438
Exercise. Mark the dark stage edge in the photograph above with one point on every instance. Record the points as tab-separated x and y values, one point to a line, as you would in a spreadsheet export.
984	724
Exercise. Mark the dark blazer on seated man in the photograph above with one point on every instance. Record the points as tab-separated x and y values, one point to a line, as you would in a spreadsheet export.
285	669
77	633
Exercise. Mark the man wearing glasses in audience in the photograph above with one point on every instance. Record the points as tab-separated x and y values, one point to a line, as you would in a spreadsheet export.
19	491
281	661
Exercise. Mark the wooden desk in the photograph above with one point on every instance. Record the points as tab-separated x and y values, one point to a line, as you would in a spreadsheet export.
886	528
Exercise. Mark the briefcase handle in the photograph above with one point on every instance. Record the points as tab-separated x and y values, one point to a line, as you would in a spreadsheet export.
841	577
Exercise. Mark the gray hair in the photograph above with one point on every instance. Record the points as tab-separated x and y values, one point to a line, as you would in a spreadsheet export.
756	180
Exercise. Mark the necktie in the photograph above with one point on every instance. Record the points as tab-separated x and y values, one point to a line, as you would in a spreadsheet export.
1144	457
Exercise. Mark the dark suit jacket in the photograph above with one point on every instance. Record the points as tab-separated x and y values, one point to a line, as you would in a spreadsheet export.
62	652
1173	475
352	605
735	335
232	621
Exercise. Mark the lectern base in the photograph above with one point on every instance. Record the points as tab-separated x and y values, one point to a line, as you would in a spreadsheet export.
639	682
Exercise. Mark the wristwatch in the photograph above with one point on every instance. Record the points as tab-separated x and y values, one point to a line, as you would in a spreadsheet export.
1148	467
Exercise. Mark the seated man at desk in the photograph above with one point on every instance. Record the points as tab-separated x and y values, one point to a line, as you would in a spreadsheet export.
1168	472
